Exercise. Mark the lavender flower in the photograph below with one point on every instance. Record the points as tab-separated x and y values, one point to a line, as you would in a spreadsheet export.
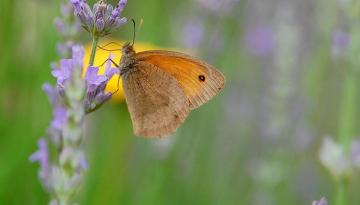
96	84
102	19
322	201
72	98
259	40
65	131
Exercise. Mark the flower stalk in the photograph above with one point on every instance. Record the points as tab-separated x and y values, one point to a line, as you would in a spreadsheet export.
62	170
95	40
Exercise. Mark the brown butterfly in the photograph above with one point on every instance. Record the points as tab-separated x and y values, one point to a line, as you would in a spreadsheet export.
162	87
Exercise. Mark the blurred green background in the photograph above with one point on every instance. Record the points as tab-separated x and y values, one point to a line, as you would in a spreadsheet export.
256	143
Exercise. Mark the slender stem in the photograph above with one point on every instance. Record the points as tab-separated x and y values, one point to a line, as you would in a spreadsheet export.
341	193
347	121
93	49
347	127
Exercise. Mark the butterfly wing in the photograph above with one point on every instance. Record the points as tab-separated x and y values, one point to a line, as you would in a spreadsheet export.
156	101
199	80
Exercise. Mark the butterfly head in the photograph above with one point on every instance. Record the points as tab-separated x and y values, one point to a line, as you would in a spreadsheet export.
128	50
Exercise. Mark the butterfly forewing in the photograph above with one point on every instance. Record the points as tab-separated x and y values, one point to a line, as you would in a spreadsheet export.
156	101
199	80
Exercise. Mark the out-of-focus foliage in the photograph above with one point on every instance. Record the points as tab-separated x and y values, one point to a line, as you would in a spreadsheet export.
256	143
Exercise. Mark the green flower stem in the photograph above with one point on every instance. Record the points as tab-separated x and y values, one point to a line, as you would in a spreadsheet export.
347	119
341	193
347	127
93	49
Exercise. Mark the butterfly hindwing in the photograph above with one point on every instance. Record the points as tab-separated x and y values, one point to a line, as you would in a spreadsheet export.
156	101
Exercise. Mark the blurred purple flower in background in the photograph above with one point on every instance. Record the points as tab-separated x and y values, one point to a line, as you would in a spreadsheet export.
333	157
322	201
260	40
218	6
193	34
355	153
340	42
339	161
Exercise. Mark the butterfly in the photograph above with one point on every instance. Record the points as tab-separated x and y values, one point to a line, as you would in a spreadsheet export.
162	87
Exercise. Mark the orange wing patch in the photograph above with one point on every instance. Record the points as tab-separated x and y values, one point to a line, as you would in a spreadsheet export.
200	80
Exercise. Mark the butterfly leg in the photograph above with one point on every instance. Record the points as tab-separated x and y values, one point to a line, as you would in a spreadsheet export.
109	59
105	49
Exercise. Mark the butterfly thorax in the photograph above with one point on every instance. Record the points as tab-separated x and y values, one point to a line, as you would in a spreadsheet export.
127	60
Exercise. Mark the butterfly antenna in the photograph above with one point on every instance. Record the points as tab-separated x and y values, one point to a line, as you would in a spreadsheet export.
134	32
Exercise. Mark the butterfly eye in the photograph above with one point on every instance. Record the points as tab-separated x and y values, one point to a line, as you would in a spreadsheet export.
202	78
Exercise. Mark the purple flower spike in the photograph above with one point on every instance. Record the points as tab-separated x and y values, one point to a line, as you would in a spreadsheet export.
260	41
322	201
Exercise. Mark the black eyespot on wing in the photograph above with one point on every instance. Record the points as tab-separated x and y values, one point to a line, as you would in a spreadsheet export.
202	78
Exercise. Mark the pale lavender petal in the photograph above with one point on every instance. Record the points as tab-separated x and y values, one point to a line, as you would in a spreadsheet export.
102	97
115	13
121	5
50	91
100	24
77	5
60	26
41	155
64	72
92	76
59	117
66	10
78	55
120	21
109	71
83	161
